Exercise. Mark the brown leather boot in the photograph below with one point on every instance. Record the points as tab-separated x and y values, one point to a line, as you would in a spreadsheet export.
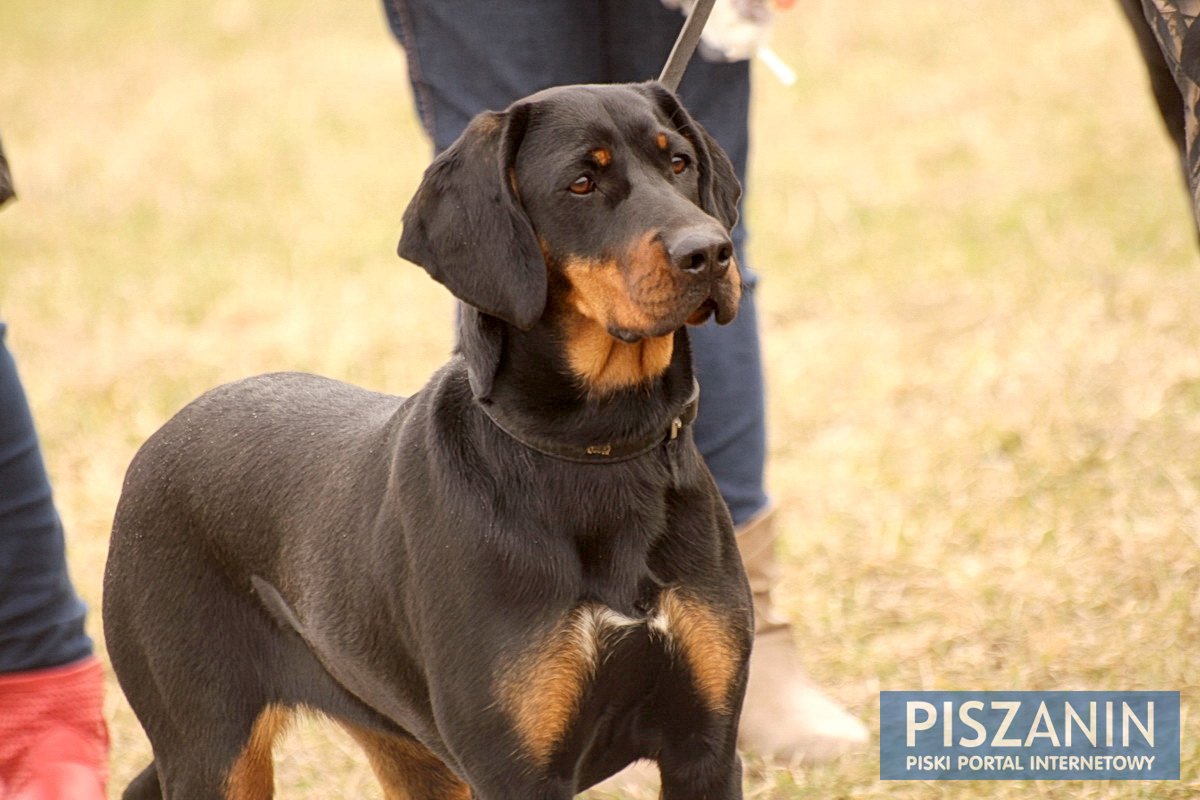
53	740
785	717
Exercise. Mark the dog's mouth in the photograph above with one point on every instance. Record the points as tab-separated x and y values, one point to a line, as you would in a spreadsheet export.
702	314
721	304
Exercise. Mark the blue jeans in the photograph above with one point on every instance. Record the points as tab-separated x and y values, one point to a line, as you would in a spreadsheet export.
41	617
467	56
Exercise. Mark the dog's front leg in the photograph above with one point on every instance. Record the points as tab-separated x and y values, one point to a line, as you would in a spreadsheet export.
685	777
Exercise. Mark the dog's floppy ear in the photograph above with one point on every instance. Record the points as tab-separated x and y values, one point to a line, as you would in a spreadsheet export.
466	227
719	187
481	343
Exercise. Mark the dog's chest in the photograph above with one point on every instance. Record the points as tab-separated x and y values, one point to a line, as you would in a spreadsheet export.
561	673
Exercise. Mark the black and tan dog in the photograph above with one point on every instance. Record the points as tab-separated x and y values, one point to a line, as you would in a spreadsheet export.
512	583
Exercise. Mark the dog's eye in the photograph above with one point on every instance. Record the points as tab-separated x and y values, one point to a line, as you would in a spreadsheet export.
583	185
679	163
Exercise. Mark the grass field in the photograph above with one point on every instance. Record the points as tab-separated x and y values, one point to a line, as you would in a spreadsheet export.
979	286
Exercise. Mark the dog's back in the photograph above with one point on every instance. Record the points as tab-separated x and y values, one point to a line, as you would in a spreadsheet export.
232	465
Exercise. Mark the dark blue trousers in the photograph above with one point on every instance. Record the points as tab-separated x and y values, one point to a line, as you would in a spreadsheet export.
41	617
467	56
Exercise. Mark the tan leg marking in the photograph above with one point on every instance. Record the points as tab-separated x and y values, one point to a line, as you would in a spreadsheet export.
541	693
406	769
703	638
252	776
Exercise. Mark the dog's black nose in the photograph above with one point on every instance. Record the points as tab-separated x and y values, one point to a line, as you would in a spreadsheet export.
701	250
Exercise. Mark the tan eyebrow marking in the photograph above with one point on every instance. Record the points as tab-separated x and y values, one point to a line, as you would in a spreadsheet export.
603	156
662	141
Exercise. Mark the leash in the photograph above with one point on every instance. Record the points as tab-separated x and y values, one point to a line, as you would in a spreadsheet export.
685	44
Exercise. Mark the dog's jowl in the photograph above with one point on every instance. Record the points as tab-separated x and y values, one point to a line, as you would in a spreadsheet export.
510	584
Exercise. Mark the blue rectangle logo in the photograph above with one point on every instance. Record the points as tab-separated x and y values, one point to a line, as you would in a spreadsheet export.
1029	735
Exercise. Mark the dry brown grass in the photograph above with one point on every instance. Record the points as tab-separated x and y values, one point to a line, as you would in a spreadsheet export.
979	285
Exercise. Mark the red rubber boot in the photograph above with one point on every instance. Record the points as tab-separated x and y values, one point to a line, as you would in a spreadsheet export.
53	740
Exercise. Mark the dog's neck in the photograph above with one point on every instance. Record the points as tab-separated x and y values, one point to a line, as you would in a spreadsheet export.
527	381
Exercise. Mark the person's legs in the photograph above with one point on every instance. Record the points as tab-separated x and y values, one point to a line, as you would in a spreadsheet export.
41	618
466	56
1168	36
53	742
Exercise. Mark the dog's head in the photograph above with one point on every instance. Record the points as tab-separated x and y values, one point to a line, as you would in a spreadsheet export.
604	210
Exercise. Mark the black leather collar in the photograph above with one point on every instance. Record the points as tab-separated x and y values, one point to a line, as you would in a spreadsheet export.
600	452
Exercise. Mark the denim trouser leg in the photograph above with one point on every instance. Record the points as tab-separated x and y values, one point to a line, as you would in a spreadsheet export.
467	56
41	618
